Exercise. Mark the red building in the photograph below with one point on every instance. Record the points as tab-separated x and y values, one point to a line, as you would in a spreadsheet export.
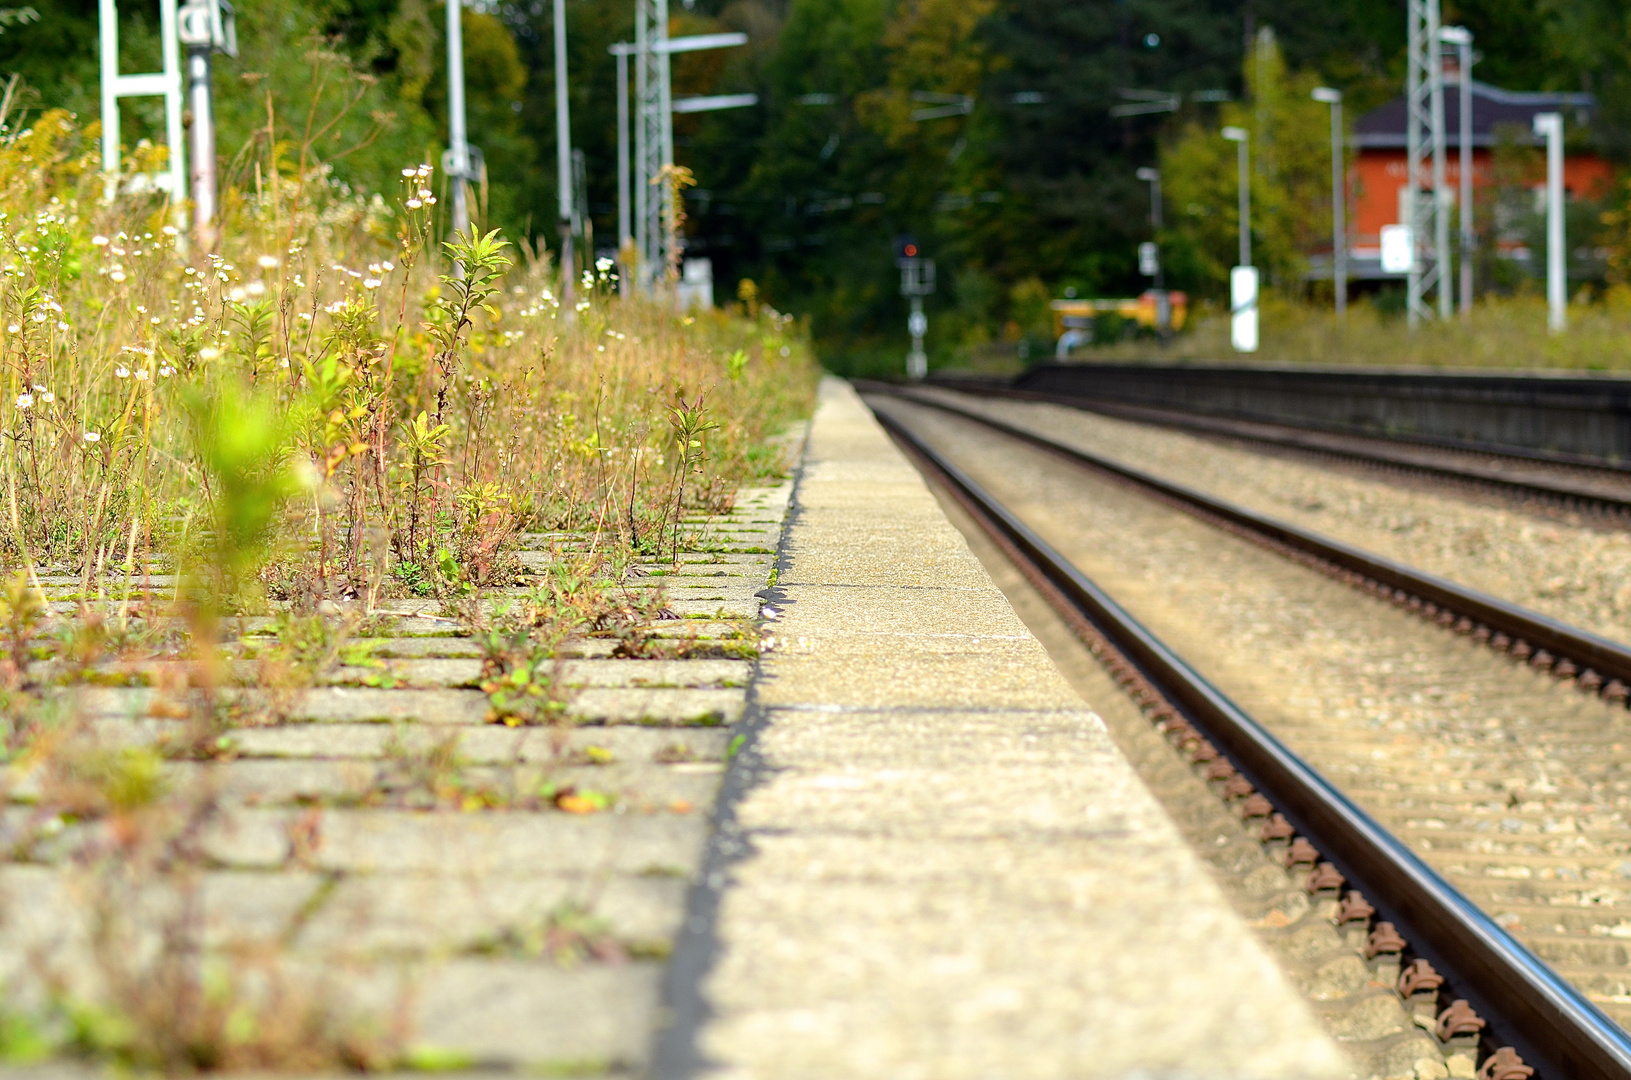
1378	177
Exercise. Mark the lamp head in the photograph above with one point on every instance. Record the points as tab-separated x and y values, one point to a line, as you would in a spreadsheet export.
1148	174
1236	134
1548	123
1327	95
1455	35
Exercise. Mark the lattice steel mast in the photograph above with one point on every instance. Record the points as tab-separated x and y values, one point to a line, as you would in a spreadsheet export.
653	138
1424	149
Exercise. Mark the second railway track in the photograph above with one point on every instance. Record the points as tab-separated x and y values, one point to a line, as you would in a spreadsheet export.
1600	489
1508	782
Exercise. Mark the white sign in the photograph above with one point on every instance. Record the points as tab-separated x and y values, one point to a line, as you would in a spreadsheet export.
1243	308
1398	249
917	324
1149	259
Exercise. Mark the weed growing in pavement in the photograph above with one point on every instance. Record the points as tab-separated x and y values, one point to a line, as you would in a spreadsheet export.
309	419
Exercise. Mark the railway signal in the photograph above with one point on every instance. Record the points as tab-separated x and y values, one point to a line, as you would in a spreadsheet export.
1149	253
916	282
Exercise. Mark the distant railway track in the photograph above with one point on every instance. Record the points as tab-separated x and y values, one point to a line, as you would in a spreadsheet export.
1573	485
1595	664
1528	1009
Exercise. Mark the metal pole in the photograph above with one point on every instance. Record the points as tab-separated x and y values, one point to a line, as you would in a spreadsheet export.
563	157
1441	217
1339	215
624	239
1463	43
1339	228
175	133
110	103
457	136
1551	126
1245	205
203	143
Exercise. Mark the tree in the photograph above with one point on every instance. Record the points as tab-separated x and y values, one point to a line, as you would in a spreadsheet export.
1290	182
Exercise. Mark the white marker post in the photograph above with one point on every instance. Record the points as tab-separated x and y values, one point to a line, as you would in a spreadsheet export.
1550	125
1243	278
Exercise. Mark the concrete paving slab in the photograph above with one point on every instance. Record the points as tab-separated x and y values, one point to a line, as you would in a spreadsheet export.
938	865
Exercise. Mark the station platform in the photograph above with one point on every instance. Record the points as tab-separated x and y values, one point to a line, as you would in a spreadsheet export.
931	860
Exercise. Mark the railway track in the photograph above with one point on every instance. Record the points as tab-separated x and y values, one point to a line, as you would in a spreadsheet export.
1577	486
1552	1024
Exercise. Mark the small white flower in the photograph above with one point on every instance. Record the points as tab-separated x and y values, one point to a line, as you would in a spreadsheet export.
169	230
117	275
99	240
256	288
208	352
284	363
372	283
92	436
48	397
13	328
424	193
166	371
65	326
141	375
121	372
410	172
414	204
25	401
387	265
40	316
268	262
431	201
237	294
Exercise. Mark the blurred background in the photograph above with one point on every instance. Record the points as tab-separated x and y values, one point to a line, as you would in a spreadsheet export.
1002	137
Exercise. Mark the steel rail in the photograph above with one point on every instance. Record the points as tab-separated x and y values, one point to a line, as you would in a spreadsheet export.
1390	453
1550	1023
1588	651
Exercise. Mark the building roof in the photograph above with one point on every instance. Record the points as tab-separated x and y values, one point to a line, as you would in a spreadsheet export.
1492	107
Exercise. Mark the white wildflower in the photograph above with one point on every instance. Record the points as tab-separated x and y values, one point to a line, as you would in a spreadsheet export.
99	240
268	262
25	401
92	436
121	372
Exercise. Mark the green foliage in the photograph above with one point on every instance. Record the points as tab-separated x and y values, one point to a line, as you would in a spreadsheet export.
1290	175
244	440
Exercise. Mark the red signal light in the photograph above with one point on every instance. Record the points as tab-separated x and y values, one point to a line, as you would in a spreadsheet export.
911	251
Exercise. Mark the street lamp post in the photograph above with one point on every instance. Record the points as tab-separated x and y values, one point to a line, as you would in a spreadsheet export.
1461	38
1163	309
1339	227
1550	125
1243	278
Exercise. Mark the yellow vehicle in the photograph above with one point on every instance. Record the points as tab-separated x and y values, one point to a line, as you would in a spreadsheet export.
1075	317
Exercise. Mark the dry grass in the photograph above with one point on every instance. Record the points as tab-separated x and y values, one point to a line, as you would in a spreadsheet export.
321	411
1504	333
